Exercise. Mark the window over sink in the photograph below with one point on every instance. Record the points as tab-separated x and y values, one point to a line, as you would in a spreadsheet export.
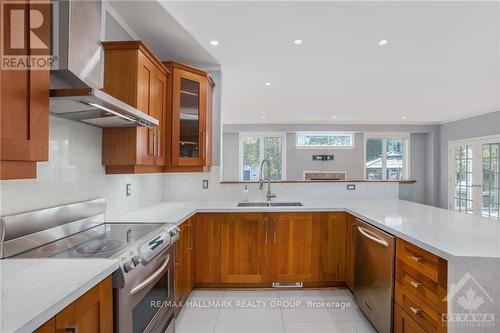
254	148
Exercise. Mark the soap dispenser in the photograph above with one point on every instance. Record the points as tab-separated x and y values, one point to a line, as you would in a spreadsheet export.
245	194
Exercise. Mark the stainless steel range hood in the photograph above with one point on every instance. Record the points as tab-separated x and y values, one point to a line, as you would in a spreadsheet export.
76	75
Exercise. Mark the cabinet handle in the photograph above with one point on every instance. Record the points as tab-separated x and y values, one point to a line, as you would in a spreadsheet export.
274	231
266	223
415	284
158	142
191	235
417	259
202	147
415	310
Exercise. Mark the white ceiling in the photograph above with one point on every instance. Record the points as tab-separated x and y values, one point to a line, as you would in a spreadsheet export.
441	62
151	22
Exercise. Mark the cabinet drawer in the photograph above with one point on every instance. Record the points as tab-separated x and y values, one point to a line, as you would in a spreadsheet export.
403	323
419	284
419	259
428	318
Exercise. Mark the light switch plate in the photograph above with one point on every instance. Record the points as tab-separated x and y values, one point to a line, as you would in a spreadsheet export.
205	184
351	187
128	190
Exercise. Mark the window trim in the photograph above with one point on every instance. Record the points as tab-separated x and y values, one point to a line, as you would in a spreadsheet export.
243	135
384	136
352	134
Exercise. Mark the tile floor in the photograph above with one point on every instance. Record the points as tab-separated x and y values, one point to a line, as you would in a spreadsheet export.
272	311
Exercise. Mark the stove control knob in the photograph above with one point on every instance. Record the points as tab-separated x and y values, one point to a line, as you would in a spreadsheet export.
128	266
136	260
174	231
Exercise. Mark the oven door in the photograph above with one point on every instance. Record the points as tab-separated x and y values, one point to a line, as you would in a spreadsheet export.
145	304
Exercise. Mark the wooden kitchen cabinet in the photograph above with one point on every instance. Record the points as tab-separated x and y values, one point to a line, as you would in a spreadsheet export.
296	239
183	261
91	313
207	248
333	247
24	115
245	245
189	119
350	251
135	76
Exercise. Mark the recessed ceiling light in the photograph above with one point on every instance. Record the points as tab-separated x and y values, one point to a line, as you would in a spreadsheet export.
383	42
334	117
404	118
214	42
297	41
267	84
263	116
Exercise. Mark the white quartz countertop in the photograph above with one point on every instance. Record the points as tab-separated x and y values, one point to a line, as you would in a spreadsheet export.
34	290
445	233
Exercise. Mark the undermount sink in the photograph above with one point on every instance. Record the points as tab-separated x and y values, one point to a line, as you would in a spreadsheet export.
270	204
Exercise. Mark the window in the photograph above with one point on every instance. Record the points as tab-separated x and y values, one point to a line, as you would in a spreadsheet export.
254	148
386	156
474	182
324	140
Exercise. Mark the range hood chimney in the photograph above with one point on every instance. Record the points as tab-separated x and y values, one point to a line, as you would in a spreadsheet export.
77	75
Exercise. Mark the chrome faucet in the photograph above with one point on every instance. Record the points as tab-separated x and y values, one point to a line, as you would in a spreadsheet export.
269	194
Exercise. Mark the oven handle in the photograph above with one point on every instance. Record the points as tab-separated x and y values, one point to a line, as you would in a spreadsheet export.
151	278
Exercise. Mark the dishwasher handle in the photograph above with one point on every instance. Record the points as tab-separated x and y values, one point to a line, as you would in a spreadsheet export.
368	235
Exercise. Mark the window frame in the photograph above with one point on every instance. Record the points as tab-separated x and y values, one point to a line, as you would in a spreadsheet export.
326	133
384	136
261	135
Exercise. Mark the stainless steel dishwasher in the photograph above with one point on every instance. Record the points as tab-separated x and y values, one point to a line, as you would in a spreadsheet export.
374	275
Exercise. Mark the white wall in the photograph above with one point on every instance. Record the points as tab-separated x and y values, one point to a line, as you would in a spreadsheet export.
74	173
188	186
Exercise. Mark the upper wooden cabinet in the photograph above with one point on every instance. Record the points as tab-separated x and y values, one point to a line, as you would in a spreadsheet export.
189	117
134	75
24	118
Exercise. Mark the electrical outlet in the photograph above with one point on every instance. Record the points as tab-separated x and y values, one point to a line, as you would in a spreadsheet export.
205	184
128	190
351	187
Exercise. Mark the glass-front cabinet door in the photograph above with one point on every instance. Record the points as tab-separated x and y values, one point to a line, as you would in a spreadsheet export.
188	119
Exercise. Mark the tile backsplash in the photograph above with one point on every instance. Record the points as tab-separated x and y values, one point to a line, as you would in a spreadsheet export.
74	173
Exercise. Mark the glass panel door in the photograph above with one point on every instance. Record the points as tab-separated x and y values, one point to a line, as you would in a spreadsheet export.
463	187
189	131
490	199
375	159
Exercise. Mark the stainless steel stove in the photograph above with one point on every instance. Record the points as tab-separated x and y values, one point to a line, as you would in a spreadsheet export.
145	251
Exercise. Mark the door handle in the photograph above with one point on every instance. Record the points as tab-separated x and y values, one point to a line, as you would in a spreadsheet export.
203	144
151	278
377	240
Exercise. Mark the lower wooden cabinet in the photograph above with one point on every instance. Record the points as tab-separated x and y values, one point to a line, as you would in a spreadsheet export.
296	247
350	250
333	247
91	313
244	247
183	261
260	248
403	323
